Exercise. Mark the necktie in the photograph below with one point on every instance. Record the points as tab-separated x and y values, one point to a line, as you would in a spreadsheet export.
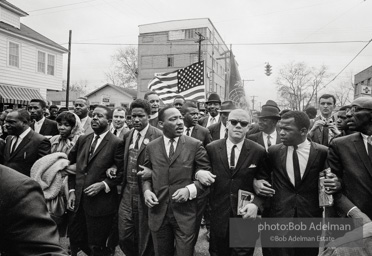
226	134
232	157
136	146
14	146
369	146
268	141
115	132
325	136
213	121
171	150
188	131
296	167
93	146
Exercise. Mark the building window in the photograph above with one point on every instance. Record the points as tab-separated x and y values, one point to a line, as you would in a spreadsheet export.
51	64
41	62
191	33
170	61
13	54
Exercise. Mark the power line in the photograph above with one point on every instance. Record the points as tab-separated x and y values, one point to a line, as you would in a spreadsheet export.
275	43
59	6
348	64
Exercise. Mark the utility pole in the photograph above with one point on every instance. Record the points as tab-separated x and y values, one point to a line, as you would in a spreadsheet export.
201	38
68	70
253	101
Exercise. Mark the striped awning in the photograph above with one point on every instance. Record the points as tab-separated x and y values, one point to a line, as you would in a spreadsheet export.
17	95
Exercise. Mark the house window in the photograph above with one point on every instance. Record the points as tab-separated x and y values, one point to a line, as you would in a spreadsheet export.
41	62
170	61
13	54
51	64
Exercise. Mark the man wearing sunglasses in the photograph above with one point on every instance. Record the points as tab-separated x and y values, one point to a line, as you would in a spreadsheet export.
235	161
350	157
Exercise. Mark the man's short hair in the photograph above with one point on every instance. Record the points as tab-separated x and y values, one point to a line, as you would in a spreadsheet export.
119	109
108	110
41	102
311	112
140	103
300	118
85	99
24	116
179	97
161	112
53	106
147	94
184	110
327	96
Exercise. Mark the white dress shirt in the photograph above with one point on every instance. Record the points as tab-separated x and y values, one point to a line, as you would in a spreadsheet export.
303	152
154	115
20	138
216	118
238	149
273	137
167	143
135	134
190	132
223	130
38	124
118	131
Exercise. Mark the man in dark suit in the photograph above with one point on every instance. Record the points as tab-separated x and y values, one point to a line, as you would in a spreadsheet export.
235	162
134	233
350	156
93	197
154	100
213	104
25	146
26	227
117	126
324	127
40	124
81	109
294	173
267	121
190	114
219	130
171	191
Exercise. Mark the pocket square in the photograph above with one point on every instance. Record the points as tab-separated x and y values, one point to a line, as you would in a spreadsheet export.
252	166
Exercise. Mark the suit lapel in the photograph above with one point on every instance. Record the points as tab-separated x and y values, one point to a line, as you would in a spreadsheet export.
312	156
361	149
43	127
180	146
128	141
223	155
278	141
24	142
260	139
194	132
243	157
148	136
101	145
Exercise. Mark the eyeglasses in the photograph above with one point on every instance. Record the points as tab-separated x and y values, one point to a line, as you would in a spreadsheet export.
235	122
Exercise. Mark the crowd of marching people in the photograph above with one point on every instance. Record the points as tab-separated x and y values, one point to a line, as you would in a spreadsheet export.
146	178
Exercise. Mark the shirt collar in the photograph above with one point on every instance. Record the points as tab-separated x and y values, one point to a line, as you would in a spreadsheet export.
217	117
304	144
143	132
102	135
154	115
112	128
41	121
23	134
230	144
271	134
166	140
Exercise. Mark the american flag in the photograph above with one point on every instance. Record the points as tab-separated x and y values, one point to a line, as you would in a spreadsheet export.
188	82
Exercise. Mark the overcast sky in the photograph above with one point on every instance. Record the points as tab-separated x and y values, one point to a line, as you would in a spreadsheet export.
240	23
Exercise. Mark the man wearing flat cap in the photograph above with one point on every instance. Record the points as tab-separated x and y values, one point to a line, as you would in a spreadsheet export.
213	105
267	121
350	157
219	130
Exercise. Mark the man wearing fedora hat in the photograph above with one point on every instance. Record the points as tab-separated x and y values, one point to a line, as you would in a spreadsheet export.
213	105
267	121
218	130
